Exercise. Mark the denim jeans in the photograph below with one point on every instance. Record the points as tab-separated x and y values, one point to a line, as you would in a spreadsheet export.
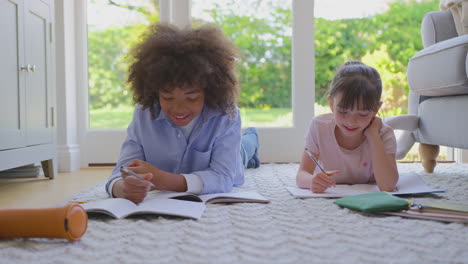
249	147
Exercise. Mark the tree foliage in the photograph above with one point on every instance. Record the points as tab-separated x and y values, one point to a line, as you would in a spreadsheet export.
265	65
385	41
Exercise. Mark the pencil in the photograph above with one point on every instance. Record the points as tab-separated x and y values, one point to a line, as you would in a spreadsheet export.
315	160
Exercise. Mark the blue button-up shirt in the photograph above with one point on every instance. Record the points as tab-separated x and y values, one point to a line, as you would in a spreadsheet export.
212	151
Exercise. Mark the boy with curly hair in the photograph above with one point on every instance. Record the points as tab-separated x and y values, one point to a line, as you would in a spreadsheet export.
185	134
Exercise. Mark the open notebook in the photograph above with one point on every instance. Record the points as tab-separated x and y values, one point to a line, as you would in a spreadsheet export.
170	203
408	183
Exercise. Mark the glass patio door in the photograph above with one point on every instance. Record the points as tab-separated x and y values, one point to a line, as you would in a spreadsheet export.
276	71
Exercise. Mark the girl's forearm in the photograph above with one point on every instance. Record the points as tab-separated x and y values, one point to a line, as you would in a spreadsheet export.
384	168
304	179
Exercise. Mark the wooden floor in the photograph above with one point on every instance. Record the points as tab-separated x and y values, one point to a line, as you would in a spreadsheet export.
42	192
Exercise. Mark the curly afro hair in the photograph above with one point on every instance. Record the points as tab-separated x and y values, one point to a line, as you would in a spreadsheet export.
170	58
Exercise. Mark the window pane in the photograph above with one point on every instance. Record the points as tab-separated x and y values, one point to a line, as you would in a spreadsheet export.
384	34
262	29
112	30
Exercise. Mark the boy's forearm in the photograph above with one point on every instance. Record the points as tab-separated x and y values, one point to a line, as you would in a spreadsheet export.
117	189
167	181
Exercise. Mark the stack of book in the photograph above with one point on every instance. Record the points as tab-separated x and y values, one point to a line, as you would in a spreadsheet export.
440	211
24	171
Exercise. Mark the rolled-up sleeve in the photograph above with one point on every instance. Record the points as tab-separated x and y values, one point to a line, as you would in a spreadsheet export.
194	183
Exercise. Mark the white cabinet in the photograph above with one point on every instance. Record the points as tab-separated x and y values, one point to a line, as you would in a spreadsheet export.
27	125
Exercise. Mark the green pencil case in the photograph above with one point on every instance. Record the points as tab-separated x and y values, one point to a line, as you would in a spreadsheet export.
373	202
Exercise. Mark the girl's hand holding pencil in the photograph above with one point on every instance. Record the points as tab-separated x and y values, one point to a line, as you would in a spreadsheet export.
321	180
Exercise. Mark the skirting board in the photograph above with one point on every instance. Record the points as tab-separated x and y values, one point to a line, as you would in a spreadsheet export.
68	158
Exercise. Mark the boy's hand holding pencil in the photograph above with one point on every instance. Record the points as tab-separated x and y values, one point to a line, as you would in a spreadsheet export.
135	187
128	171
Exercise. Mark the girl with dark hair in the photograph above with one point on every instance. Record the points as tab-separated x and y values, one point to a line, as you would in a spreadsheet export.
185	134
351	144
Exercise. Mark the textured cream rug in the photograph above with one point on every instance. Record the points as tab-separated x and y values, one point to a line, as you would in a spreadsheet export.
286	230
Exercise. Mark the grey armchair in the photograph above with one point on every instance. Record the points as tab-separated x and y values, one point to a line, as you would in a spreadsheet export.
437	77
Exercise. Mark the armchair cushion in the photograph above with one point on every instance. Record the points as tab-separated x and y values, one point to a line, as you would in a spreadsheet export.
459	9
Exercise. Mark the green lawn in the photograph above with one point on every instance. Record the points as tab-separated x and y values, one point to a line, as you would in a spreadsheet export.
119	118
115	118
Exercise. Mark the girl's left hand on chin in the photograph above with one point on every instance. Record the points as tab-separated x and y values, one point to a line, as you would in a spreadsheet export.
374	126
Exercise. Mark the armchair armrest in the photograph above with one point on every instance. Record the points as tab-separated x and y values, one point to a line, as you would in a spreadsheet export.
440	69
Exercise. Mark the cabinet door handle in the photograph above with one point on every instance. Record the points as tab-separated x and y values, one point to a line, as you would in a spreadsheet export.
28	68
52	116
25	67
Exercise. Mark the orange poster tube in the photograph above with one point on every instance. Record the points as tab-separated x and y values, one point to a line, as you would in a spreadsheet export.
69	222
